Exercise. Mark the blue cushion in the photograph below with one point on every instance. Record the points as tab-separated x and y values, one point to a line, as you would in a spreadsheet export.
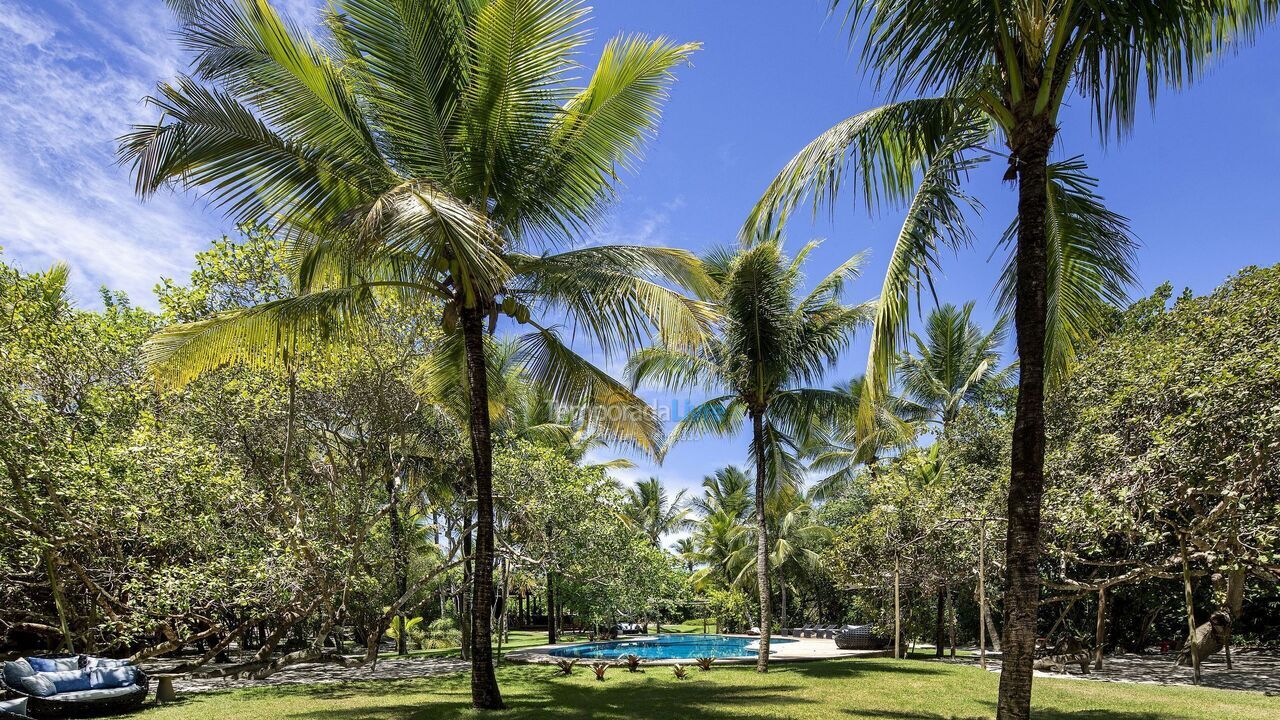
54	664
97	662
17	707
16	670
68	680
112	677
38	685
100	694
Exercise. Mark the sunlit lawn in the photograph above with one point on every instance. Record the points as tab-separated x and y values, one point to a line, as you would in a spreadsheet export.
833	689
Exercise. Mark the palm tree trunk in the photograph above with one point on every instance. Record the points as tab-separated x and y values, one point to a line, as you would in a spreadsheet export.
762	546
1030	141
484	684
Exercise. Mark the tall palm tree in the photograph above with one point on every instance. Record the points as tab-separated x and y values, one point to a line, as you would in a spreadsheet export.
953	363
771	341
652	512
422	149
983	72
727	490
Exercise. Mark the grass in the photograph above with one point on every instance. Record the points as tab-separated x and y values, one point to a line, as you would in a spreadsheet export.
899	690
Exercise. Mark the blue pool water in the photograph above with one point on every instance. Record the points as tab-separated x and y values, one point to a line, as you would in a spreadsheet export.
667	647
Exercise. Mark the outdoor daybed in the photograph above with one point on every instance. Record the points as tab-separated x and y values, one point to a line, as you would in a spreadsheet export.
74	685
859	637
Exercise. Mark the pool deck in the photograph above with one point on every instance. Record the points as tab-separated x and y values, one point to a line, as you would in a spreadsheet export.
801	650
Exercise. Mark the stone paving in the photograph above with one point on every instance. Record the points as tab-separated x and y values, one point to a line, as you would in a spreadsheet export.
1250	671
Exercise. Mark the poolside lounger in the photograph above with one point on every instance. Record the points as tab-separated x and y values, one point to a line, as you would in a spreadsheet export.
804	631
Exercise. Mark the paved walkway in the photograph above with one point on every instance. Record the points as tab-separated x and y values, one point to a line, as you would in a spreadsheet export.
1250	671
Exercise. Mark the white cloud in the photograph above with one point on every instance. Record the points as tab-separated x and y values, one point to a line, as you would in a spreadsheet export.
73	85
647	227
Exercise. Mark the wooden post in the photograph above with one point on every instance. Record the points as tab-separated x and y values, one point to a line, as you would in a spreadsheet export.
1100	635
982	594
897	610
1191	610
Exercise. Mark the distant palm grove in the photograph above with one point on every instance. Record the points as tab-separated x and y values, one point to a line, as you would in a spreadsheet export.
400	409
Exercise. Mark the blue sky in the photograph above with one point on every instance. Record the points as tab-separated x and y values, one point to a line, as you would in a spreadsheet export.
1196	179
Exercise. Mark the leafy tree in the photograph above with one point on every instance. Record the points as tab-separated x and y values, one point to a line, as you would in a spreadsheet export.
1163	437
771	340
415	152
1002	72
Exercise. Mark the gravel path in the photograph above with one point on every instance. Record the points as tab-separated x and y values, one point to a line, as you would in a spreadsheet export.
1250	671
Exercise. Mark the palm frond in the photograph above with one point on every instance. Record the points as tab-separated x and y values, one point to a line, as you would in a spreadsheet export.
609	407
1090	268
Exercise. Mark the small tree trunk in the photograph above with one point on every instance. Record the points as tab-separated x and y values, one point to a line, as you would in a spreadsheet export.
951	614
551	608
59	601
940	623
1191	610
982	594
399	563
484	684
1100	635
762	545
897	608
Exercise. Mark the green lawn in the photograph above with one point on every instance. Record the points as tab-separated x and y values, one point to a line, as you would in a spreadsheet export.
901	690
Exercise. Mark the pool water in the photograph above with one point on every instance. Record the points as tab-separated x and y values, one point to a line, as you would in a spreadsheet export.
668	647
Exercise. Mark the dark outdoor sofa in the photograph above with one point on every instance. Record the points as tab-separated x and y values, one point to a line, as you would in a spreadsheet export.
84	686
860	637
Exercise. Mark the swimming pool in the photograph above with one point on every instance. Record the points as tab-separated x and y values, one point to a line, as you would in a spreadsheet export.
668	647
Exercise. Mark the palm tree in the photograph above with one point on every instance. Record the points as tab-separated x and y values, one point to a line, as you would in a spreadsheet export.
981	73
727	490
841	451
719	538
687	550
651	512
770	342
419	150
795	536
953	364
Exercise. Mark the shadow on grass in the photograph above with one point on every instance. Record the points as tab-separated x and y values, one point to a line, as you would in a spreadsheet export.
827	669
1037	713
534	692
